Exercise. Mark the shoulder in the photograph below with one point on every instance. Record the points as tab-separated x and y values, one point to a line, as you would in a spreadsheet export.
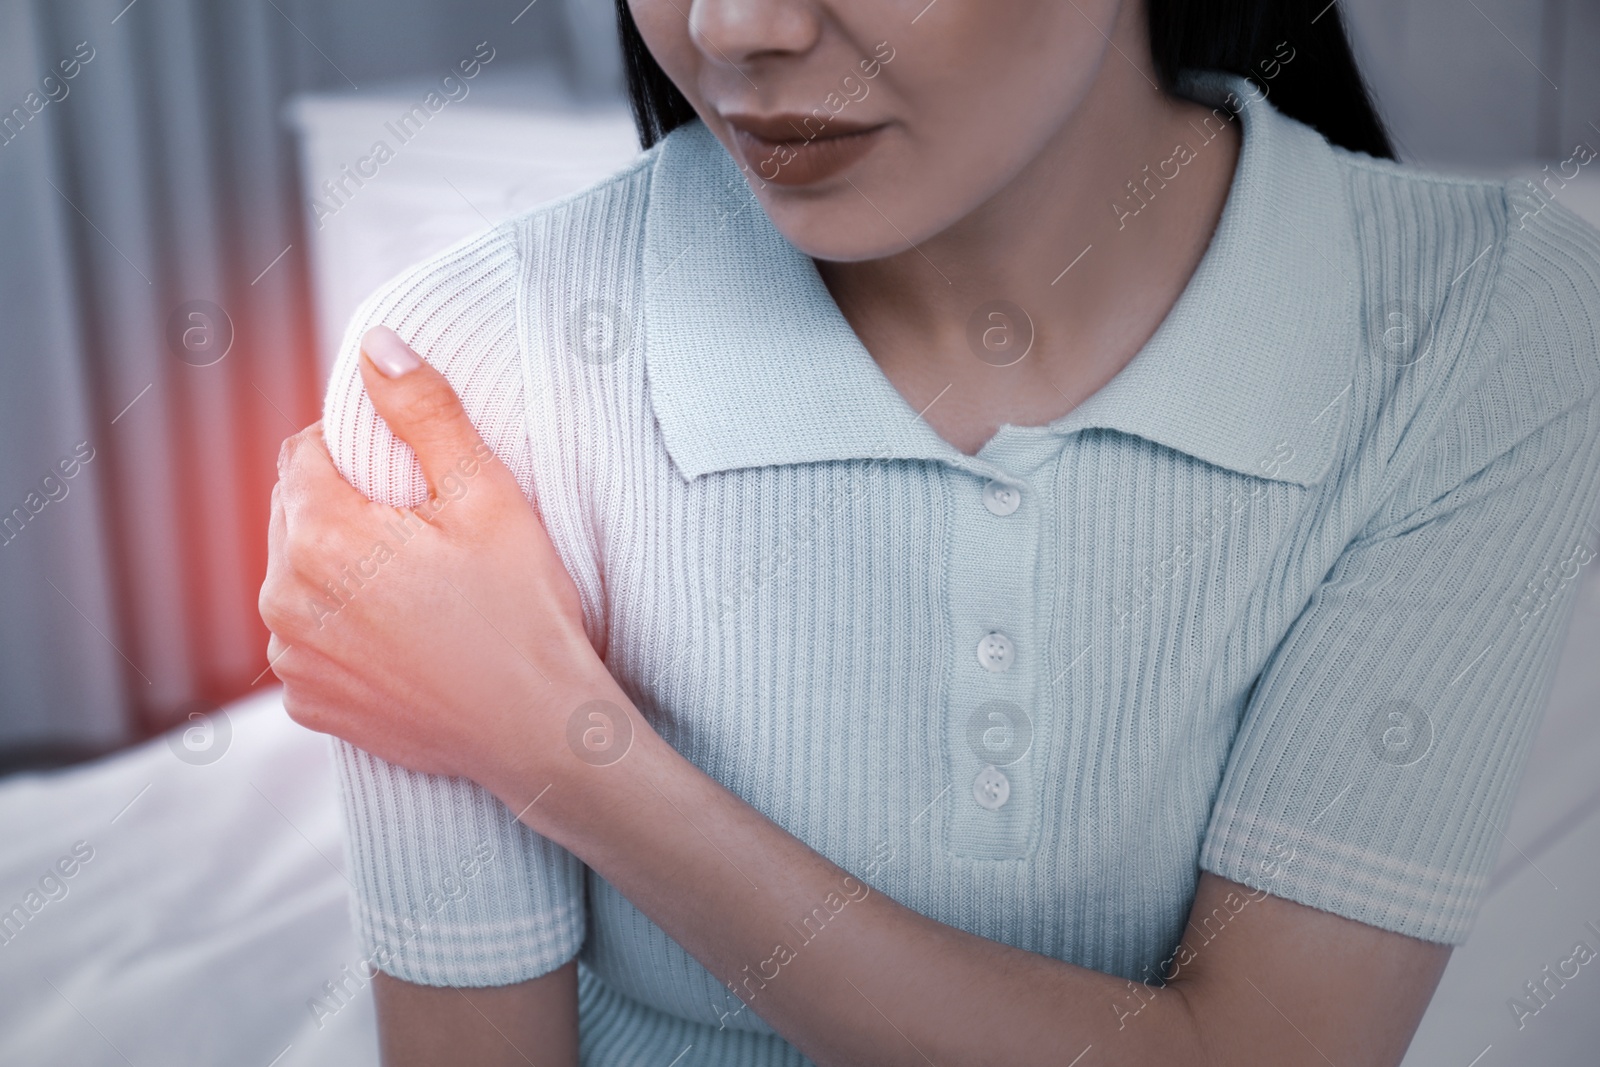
1486	264
461	309
1547	295
475	279
1485	292
1480	301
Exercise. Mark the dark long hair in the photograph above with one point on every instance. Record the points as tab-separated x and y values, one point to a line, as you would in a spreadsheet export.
1321	85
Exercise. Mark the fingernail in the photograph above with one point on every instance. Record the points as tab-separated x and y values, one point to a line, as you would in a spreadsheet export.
388	352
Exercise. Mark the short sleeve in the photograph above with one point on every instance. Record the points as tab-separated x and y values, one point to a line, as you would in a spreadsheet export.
1381	748
449	888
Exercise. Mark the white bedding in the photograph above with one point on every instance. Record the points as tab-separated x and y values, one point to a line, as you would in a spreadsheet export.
213	909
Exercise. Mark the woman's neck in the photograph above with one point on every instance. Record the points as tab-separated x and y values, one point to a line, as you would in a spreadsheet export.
1095	239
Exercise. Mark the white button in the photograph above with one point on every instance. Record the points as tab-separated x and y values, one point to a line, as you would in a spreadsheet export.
991	789
996	652
1000	498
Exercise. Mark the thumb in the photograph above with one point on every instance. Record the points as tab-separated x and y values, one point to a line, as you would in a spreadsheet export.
424	412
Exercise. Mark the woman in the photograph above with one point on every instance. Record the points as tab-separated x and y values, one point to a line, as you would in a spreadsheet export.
1039	556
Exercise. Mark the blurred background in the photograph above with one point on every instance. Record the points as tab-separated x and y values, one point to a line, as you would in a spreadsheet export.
187	229
172	290
192	202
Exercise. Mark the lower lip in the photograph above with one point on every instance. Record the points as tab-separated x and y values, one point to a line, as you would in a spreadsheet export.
803	162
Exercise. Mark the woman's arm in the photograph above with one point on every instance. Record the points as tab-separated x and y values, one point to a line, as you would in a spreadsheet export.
1260	980
447	890
469	659
430	1026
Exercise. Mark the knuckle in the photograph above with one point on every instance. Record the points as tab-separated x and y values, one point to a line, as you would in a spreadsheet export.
310	543
271	594
285	608
298	708
293	554
276	613
267	604
291	454
289	458
318	549
434	402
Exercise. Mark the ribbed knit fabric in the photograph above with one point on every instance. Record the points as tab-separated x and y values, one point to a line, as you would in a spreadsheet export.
1283	599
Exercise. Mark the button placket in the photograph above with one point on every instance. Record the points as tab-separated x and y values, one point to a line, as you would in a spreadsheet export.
995	530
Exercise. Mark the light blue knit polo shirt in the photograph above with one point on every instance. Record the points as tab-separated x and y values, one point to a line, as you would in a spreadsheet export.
1282	601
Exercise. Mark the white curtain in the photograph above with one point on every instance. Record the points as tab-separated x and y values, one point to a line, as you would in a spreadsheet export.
155	328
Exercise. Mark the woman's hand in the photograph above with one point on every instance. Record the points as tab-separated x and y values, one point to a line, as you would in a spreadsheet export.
458	648
448	637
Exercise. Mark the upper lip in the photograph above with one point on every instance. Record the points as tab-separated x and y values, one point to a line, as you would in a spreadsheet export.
792	126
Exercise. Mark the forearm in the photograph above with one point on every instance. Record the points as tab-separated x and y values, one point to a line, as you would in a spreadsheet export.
417	672
531	1022
868	980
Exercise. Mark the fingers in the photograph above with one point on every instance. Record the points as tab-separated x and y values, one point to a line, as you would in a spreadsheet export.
308	481
276	526
277	558
424	412
318	523
275	653
313	688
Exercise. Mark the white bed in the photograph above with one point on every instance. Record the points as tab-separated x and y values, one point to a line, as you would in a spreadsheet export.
211	913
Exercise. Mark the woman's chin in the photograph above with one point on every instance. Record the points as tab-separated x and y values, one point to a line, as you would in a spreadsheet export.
844	251
839	232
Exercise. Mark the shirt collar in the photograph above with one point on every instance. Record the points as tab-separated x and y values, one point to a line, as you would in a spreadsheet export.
751	363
